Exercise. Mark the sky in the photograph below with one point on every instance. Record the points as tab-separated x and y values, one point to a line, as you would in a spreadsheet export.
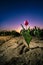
13	13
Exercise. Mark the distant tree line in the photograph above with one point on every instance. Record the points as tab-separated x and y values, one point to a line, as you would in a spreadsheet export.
6	33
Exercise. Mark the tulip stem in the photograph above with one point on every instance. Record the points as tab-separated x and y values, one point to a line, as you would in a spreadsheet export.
26	27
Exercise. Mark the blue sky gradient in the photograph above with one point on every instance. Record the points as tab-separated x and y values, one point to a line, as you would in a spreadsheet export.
15	12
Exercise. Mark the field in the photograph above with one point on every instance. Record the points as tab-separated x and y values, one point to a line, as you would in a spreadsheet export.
12	48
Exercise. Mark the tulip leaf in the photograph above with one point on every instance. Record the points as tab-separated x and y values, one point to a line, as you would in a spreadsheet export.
26	36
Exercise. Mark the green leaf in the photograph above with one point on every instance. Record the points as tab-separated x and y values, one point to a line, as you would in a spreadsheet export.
27	37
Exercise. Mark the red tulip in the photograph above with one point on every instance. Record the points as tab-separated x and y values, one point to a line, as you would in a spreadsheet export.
26	23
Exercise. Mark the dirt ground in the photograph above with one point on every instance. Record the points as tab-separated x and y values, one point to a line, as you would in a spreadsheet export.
15	47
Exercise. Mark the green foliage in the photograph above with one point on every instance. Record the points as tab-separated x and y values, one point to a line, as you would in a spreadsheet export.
27	36
37	32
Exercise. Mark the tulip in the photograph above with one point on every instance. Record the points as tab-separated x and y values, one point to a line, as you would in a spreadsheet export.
26	23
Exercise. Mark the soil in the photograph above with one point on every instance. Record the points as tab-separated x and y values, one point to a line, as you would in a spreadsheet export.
15	52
